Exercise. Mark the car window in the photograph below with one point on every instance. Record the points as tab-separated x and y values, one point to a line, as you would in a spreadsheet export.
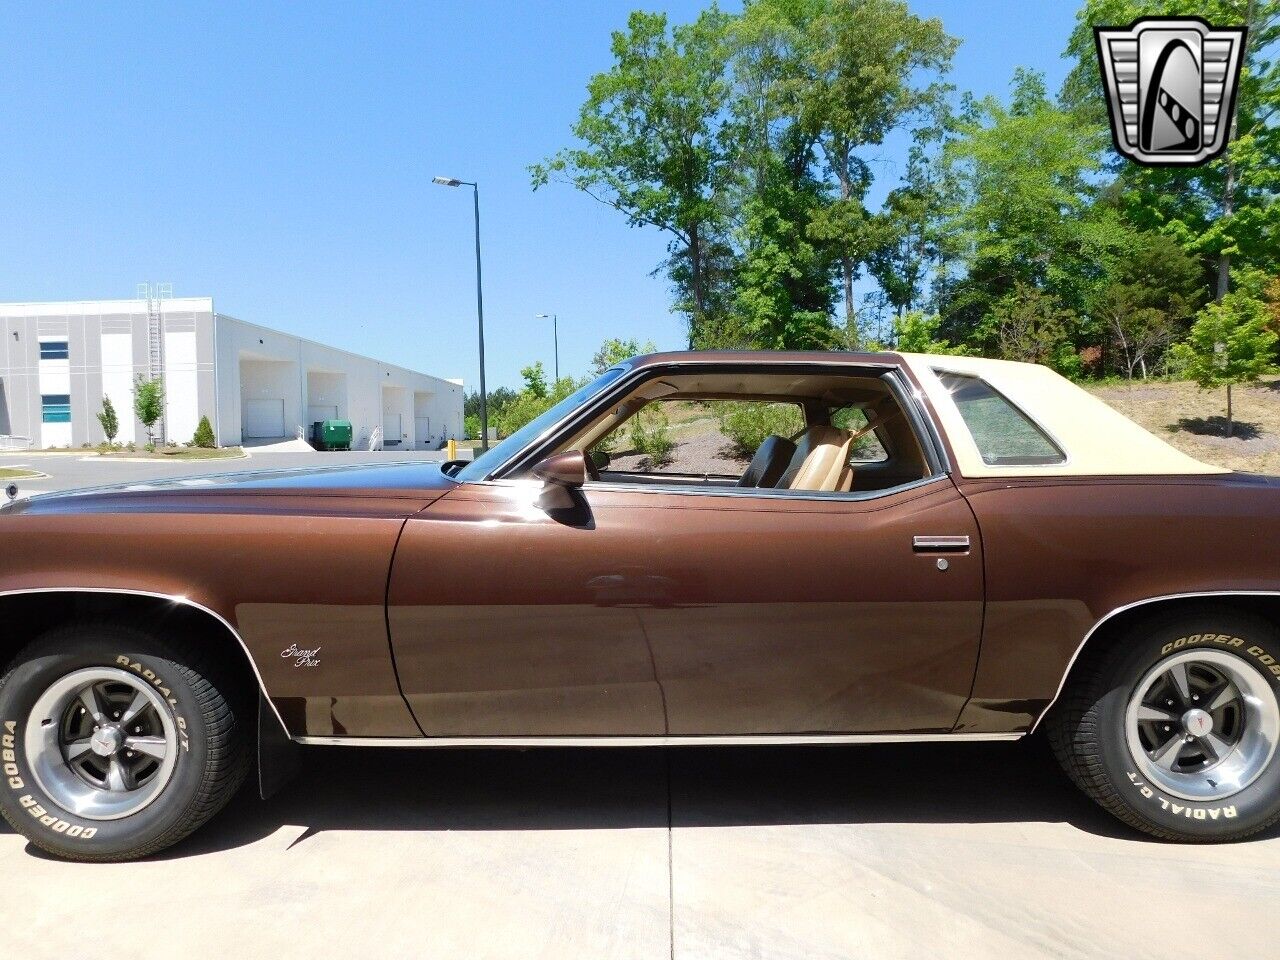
483	465
699	437
1003	434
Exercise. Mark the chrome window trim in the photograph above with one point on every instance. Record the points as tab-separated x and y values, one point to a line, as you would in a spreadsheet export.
757	493
1130	606
174	598
656	741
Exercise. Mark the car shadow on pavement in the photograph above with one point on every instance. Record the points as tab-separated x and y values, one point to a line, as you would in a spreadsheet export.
349	789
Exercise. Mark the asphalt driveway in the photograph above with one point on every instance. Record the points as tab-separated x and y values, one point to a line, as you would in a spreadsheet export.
964	850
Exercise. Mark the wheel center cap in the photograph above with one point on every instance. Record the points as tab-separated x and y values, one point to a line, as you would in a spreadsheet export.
1197	722
106	741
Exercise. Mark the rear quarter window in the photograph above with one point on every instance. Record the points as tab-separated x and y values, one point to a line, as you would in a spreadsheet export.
1003	434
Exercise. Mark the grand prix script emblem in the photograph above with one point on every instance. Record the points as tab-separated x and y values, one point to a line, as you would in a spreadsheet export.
1171	88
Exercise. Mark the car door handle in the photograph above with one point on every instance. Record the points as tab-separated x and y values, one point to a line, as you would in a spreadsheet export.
940	544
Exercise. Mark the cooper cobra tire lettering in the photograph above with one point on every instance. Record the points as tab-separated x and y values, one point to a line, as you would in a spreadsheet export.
8	753
1269	663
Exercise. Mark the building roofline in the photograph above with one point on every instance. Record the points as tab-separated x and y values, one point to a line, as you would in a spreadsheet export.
341	350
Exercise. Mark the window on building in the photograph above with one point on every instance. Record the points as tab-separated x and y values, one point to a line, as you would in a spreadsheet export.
1004	435
55	408
53	350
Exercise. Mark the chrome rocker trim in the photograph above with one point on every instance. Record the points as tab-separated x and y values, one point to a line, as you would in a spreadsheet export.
655	741
173	598
1130	606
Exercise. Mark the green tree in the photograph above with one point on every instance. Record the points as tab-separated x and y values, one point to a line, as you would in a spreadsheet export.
863	68
498	400
1026	215
917	332
614	351
148	405
1148	302
1031	326
651	147
1229	343
1227	211
109	420
534	399
204	435
535	380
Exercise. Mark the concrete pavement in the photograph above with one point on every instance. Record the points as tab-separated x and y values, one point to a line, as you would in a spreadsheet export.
964	850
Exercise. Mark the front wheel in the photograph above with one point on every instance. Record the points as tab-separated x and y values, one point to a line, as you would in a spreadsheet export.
1175	728
115	744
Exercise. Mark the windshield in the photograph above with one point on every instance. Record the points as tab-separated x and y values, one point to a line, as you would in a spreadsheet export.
483	465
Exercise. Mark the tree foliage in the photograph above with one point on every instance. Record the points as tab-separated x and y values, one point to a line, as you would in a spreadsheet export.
1229	343
148	405
614	351
109	419
750	139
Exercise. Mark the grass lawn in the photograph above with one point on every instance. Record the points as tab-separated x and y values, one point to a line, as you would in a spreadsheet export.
1194	420
174	453
16	473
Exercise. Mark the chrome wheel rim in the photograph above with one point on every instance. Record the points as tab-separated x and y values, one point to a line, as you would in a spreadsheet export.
101	743
1202	725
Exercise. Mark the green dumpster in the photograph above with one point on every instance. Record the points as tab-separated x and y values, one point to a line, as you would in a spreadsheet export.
331	434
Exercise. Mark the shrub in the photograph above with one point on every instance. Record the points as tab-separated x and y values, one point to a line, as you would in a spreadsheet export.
748	424
651	435
204	435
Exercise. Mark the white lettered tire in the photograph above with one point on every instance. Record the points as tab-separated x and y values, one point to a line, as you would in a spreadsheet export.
1175	728
116	744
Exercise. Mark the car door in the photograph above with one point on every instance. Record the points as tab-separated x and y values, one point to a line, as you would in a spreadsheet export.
645	611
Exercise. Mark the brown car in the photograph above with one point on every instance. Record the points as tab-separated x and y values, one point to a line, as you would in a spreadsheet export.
919	548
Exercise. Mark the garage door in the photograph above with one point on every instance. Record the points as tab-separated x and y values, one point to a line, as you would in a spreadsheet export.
321	411
263	418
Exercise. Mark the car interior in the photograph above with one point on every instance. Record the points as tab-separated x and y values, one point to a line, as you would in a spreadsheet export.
849	434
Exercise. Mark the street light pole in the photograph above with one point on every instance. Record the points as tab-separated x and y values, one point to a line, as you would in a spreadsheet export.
555	334
484	395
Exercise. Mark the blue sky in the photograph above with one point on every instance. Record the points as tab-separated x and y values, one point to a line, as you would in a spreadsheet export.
279	156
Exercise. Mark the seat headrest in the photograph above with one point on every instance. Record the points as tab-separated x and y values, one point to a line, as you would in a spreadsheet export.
821	461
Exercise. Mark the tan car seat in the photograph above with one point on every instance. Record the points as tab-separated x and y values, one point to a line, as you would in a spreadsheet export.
821	461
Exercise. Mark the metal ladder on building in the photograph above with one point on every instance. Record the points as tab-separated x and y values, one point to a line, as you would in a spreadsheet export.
155	294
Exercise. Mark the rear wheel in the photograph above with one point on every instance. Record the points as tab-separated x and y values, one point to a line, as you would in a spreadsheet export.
116	744
1175	728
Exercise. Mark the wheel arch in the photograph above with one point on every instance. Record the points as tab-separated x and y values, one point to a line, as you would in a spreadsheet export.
1112	625
28	613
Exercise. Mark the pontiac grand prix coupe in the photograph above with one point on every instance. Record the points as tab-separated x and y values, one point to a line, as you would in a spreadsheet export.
942	549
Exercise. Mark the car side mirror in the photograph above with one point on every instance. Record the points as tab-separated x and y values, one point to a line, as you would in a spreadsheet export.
561	474
568	469
600	459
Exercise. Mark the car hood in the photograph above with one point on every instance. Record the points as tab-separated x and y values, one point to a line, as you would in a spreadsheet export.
421	482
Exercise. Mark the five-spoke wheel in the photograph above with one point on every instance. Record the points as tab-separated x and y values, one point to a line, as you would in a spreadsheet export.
101	743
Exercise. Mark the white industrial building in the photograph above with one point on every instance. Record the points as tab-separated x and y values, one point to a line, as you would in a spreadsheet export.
58	360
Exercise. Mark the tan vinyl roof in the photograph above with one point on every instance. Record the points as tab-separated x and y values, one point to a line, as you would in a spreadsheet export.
1096	439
